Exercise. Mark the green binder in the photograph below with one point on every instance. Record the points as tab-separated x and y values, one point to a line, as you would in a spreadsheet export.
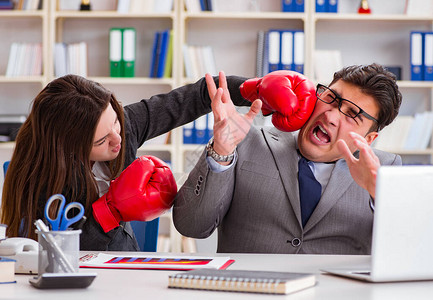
115	54
128	53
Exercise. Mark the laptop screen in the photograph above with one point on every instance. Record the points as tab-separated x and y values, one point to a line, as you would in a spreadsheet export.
402	246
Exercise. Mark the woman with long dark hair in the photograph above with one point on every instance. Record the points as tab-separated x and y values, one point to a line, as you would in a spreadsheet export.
77	139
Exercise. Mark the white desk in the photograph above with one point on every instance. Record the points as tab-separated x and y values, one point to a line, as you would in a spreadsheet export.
150	284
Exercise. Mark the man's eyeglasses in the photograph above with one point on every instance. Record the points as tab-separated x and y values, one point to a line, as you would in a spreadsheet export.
346	107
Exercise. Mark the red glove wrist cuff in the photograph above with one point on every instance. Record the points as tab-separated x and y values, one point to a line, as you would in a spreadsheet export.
103	215
250	92
249	89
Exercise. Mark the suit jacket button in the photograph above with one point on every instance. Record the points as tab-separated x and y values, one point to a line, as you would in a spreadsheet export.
296	242
197	192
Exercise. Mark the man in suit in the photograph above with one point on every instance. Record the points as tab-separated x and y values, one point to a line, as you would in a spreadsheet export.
253	198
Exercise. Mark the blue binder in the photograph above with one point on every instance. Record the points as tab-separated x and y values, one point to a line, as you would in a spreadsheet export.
299	5
209	128
203	5
162	53
287	5
298	50
428	56
286	58
200	126
188	133
273	37
154	60
416	55
209	5
332	6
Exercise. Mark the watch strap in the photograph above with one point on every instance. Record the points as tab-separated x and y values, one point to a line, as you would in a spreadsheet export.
218	157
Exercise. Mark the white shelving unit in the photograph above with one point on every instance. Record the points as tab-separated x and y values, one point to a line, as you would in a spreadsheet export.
231	31
21	26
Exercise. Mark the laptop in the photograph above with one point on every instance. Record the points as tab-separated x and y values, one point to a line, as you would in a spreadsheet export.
402	245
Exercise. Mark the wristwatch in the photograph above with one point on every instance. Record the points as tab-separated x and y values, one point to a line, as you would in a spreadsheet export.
217	157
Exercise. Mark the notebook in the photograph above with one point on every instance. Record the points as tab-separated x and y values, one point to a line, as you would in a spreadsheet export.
242	281
402	245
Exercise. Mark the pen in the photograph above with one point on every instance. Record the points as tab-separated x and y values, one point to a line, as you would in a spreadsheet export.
59	256
80	223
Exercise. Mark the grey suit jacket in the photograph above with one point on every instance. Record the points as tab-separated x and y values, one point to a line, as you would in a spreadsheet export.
255	204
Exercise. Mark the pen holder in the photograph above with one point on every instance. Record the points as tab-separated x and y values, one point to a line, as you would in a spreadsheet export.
58	251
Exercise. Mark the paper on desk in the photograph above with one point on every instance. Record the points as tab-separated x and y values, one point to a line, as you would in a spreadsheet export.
153	262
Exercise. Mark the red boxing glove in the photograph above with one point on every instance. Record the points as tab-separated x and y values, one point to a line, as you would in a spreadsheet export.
289	95
142	192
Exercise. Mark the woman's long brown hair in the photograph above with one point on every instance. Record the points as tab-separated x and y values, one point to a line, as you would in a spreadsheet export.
52	151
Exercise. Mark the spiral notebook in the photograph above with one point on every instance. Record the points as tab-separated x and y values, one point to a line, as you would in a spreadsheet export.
242	281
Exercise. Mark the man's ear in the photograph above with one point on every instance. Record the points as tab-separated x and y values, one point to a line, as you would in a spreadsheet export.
371	136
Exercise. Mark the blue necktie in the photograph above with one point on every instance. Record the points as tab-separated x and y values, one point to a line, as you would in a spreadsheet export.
309	190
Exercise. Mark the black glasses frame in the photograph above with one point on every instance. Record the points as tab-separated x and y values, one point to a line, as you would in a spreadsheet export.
340	102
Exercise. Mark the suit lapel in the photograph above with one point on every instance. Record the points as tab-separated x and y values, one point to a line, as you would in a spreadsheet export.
283	148
339	182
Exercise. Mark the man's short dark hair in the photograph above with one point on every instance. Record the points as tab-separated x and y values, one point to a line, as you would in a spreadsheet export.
376	81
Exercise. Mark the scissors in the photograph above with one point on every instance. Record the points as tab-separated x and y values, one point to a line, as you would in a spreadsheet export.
62	221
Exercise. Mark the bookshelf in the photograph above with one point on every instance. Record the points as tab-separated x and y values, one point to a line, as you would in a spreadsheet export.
382	37
231	31
68	27
21	26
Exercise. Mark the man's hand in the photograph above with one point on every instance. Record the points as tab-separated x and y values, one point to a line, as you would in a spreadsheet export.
363	169
230	127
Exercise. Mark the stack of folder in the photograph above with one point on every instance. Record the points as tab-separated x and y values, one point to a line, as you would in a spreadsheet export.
421	55
198	60
162	54
280	49
199	131
326	6
25	59
70	59
292	5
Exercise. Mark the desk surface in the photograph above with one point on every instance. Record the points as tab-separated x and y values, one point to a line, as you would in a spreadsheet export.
152	284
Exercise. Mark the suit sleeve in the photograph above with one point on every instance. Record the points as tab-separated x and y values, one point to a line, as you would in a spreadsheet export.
204	199
387	158
397	161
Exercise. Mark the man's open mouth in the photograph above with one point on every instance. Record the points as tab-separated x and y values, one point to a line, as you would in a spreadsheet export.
321	135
